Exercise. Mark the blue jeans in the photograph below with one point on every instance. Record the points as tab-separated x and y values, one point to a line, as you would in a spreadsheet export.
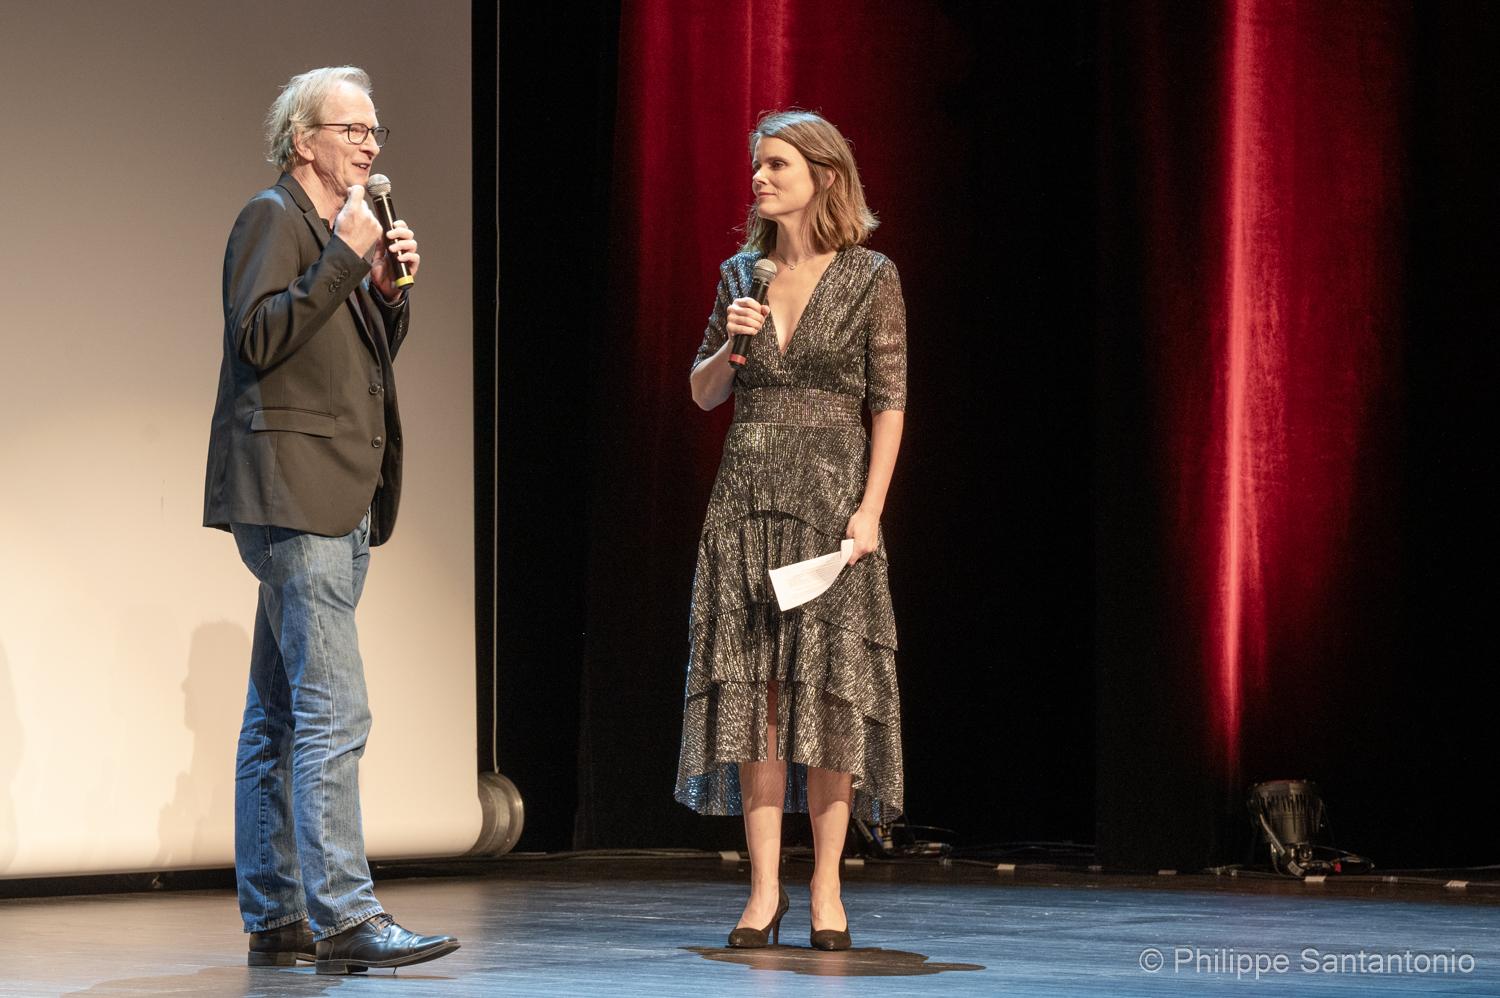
299	849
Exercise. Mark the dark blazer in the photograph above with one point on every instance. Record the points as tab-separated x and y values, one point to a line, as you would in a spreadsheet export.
306	433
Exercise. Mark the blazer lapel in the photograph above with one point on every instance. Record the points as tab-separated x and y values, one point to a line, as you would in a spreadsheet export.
357	306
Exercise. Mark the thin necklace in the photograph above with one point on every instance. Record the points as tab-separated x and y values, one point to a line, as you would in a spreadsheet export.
793	266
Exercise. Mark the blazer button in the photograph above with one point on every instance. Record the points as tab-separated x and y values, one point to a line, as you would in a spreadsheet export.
374	389
376	442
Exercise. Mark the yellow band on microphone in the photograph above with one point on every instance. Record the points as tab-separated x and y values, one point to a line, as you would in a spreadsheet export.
405	282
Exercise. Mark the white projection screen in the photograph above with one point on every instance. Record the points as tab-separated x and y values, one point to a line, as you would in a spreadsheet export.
131	138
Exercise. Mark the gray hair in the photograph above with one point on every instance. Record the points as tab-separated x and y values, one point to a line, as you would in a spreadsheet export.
296	109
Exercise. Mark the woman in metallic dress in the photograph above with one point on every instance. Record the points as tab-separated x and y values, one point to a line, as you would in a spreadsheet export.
798	710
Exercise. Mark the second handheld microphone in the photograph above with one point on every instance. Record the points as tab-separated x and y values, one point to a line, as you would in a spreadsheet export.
760	289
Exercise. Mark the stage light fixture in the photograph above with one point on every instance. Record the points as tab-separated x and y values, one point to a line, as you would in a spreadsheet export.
1290	817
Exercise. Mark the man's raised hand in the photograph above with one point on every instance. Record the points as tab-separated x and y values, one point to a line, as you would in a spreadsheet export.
356	224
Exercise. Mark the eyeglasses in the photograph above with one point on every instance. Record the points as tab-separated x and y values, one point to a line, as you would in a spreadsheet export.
356	132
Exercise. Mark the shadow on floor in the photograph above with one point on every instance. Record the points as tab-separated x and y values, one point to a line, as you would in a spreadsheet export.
261	982
868	962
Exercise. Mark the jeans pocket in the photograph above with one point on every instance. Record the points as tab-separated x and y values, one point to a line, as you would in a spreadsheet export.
254	542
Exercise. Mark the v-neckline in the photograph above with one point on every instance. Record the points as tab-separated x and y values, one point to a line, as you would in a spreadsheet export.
812	296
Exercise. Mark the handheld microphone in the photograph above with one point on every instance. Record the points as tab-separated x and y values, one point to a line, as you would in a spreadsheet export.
379	189
760	288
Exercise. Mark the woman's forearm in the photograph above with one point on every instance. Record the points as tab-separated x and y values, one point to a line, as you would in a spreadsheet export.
712	381
885	443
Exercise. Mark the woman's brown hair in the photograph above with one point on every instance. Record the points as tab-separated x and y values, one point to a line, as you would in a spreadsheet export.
837	216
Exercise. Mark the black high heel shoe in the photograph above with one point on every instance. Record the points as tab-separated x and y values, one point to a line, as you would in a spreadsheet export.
830	939
748	938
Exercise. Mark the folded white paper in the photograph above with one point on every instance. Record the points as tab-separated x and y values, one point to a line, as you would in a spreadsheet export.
801	581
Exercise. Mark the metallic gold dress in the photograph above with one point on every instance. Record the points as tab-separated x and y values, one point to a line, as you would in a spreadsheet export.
793	472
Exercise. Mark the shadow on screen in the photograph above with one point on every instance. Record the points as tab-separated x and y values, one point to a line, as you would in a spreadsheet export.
12	745
198	823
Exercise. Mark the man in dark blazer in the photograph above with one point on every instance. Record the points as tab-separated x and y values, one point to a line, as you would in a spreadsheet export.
304	468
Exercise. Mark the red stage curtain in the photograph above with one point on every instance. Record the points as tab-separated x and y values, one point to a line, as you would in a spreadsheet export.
1254	170
1249	339
1305	340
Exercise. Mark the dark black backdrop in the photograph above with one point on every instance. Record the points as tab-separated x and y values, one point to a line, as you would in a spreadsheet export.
542	156
1004	481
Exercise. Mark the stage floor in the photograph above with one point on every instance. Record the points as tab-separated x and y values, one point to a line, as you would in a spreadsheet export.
628	927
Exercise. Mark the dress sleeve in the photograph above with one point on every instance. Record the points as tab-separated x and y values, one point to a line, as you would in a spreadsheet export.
717	331
885	346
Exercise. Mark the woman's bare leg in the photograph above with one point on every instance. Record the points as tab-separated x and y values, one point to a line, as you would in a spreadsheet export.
762	794
828	796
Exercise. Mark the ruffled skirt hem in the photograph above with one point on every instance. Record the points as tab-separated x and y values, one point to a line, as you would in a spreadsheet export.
816	730
833	660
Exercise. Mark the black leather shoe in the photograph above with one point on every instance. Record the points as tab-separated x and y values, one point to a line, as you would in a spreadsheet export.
378	942
282	946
